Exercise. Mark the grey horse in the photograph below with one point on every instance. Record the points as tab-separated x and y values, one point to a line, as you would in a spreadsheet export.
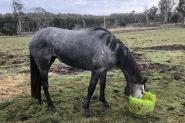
94	49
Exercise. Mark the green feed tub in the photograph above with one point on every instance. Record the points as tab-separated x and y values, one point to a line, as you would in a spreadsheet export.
142	107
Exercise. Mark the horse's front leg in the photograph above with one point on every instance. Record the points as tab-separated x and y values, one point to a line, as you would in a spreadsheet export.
102	89
126	92
92	85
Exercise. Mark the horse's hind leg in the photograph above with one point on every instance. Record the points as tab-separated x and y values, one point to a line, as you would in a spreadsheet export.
44	82
44	65
102	89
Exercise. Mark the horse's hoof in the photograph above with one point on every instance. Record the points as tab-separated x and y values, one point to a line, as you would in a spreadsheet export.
85	104
55	110
37	101
60	113
106	104
52	108
88	113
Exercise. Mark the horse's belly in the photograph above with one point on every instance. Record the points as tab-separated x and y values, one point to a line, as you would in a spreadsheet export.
75	63
75	59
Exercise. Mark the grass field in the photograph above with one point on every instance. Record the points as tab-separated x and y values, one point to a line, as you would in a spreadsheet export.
161	57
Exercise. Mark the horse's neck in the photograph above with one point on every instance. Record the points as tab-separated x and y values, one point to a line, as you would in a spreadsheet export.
129	66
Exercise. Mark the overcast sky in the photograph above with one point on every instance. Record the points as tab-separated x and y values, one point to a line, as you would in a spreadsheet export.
95	7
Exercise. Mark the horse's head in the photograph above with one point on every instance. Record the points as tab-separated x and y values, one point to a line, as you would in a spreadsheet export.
135	89
127	63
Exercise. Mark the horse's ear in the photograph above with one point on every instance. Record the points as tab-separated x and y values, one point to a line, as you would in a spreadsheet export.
144	80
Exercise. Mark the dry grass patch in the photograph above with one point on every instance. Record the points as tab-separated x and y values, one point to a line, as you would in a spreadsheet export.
10	85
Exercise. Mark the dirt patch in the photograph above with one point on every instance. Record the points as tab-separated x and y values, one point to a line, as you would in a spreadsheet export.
5	55
10	61
177	76
9	85
162	68
22	117
65	70
16	61
137	55
165	47
145	68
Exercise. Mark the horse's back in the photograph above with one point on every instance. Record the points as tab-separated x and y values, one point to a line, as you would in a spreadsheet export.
78	48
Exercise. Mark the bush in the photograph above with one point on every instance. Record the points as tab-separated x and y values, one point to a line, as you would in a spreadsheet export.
123	23
7	31
175	18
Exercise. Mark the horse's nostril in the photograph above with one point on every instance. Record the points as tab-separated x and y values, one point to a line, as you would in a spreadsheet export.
142	92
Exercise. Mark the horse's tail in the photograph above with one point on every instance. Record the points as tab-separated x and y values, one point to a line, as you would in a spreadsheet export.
35	79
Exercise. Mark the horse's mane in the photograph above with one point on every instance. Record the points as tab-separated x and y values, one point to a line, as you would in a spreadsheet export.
99	28
125	55
107	37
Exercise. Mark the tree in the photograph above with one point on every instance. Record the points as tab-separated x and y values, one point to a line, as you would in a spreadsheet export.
151	13
166	7
181	8
40	16
133	16
18	13
175	17
8	25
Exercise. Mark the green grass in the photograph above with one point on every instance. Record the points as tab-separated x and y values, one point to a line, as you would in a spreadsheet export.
69	91
148	38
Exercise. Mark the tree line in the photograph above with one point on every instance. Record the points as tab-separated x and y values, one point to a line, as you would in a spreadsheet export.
31	22
19	22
